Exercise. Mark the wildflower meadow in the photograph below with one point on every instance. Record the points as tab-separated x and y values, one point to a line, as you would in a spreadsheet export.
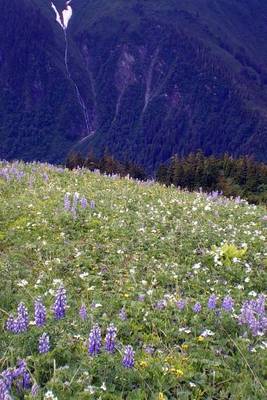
119	289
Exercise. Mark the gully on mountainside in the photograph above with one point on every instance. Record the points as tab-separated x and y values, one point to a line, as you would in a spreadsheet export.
63	19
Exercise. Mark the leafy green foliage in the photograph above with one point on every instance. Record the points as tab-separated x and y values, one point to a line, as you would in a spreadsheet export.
229	252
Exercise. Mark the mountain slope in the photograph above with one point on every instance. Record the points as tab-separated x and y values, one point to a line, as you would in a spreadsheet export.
146	79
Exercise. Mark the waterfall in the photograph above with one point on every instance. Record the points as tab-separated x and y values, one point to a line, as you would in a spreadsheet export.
63	20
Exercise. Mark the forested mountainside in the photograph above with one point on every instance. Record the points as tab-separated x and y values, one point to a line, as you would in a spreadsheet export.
145	79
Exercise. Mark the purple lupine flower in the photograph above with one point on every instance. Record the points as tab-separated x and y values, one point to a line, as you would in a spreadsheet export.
260	304
94	343
181	304
39	312
264	324
83	312
246	313
21	368
122	314
212	302
25	381
22	319
21	372
17	326
110	338
8	377
228	303
83	202
92	204
44	343
35	390
128	357
60	303
238	200
148	349
67	205
197	308
10	324
74	204
161	304
141	297
213	195
4	392
253	316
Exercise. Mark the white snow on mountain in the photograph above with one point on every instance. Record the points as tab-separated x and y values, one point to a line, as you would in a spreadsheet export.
67	14
63	18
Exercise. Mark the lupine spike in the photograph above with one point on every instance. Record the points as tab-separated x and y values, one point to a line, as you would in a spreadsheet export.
4	392
39	313
21	372
94	343
60	303
110	341
83	202
197	308
23	318
67	204
212	302
128	357
181	304
44	343
122	314
10	323
35	390
228	303
253	316
83	312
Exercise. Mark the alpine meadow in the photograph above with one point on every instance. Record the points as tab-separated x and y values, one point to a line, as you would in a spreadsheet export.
120	289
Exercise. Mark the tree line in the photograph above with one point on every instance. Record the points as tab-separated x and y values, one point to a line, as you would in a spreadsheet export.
241	176
106	165
235	177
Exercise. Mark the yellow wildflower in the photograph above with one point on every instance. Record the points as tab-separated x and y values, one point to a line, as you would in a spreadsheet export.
185	346
200	338
177	372
143	364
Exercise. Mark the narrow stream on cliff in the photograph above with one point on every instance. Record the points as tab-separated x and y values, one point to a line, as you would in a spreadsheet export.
63	19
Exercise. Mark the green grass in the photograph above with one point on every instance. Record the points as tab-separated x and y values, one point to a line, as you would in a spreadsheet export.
139	239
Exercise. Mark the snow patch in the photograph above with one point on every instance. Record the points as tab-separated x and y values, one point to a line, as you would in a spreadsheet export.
67	14
58	18
64	18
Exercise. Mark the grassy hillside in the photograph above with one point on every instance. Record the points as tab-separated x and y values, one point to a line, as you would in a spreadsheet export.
140	256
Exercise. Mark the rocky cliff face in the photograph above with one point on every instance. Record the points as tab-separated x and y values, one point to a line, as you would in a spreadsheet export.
143	79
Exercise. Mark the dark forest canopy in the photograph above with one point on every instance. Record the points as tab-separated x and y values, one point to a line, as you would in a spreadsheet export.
242	177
